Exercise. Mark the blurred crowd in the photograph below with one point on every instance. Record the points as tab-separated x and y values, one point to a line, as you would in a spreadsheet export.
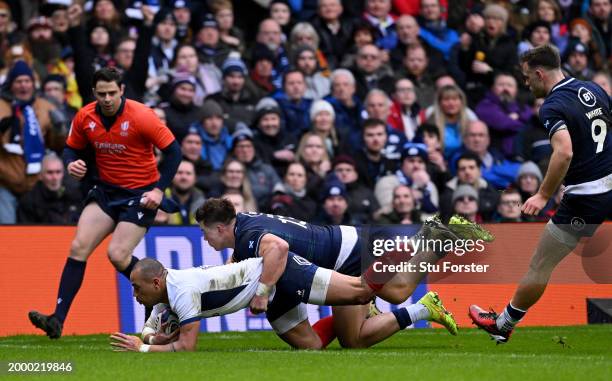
329	111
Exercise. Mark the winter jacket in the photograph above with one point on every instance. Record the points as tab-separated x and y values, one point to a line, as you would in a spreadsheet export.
179	117
334	45
295	117
487	198
266	146
186	215
361	201
43	206
348	120
239	110
263	179
216	150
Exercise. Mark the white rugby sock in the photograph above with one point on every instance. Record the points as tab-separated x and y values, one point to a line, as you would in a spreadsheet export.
418	312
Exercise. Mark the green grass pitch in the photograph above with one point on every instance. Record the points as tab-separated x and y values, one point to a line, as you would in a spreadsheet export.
419	355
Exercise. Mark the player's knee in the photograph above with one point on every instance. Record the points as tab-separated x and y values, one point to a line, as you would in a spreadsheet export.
118	255
80	250
363	297
351	342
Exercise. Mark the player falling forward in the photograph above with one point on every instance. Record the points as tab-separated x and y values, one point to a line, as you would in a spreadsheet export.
128	192
339	248
203	292
576	115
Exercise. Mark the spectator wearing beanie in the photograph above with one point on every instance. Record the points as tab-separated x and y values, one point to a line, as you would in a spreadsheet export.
361	201
23	147
216	139
528	179
273	145
181	111
237	97
208	43
323	120
465	203
335	210
262	69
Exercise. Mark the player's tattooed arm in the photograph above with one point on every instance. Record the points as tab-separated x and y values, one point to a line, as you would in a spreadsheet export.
274	251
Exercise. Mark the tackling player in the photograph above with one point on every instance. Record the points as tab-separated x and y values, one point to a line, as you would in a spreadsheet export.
128	190
203	292
576	115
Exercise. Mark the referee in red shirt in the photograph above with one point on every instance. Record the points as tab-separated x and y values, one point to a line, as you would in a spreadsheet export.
128	186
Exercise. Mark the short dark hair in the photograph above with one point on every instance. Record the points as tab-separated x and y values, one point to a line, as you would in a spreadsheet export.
107	74
149	268
291	70
215	210
469	155
545	56
371	123
428	128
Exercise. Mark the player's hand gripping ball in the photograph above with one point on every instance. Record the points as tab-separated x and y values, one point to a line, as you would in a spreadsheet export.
166	322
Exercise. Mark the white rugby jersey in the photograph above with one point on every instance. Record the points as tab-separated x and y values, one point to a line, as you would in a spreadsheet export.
201	292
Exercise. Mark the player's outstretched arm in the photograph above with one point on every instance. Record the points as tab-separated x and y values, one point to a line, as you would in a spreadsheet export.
557	169
274	251
188	338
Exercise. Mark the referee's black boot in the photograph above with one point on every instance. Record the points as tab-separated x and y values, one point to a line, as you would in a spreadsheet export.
48	323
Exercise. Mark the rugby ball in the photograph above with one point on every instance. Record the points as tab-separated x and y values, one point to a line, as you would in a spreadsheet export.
166	316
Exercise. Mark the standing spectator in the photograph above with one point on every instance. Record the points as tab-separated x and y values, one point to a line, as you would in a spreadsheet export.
262	176
492	50
369	71
185	194
434	29
181	111
50	202
600	18
236	98
291	199
317	84
372	164
504	115
23	148
347	106
465	203
404	208
311	152
191	149
509	207
404	113
361	200
216	139
207	76
208	43
295	108
234	179
378	14
272	143
417	69
335	31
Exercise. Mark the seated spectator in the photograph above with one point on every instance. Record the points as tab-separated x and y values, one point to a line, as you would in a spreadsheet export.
599	17
581	30
262	70
280	11
434	29
322	118
372	164
465	203
317	84
416	68
496	169
191	148
369	71
234	179
50	202
378	106
182	13
363	34
290	198
187	196
503	113
509	206
335	209
528	180
262	176
534	142
304	35
377	13
237	200
295	108
548	11
161	54
492	50
181	111
451	115
230	35
536	34
216	139
312	154
576	61
362	203
237	98
347	106
270	36
408	34
335	31
207	76
602	78
468	173
405	109
404	208
273	145
437	166
208	43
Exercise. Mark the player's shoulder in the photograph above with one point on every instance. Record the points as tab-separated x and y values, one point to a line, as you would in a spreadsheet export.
88	109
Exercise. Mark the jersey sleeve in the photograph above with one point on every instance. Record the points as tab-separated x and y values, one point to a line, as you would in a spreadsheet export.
552	118
154	130
247	244
76	135
187	305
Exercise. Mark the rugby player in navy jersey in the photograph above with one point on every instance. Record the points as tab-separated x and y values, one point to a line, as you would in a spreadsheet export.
201	292
576	115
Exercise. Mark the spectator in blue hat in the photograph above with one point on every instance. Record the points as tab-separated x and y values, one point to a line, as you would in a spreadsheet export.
237	97
181	111
182	13
576	61
335	210
208	43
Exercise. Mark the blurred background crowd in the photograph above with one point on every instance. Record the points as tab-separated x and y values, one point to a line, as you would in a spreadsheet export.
329	111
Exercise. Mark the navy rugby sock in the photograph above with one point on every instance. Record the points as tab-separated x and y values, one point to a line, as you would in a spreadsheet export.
72	278
403	317
128	270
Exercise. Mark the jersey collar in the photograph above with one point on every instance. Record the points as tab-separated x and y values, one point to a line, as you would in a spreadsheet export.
562	83
108	121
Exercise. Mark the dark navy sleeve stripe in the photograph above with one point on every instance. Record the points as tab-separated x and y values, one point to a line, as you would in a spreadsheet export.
190	320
